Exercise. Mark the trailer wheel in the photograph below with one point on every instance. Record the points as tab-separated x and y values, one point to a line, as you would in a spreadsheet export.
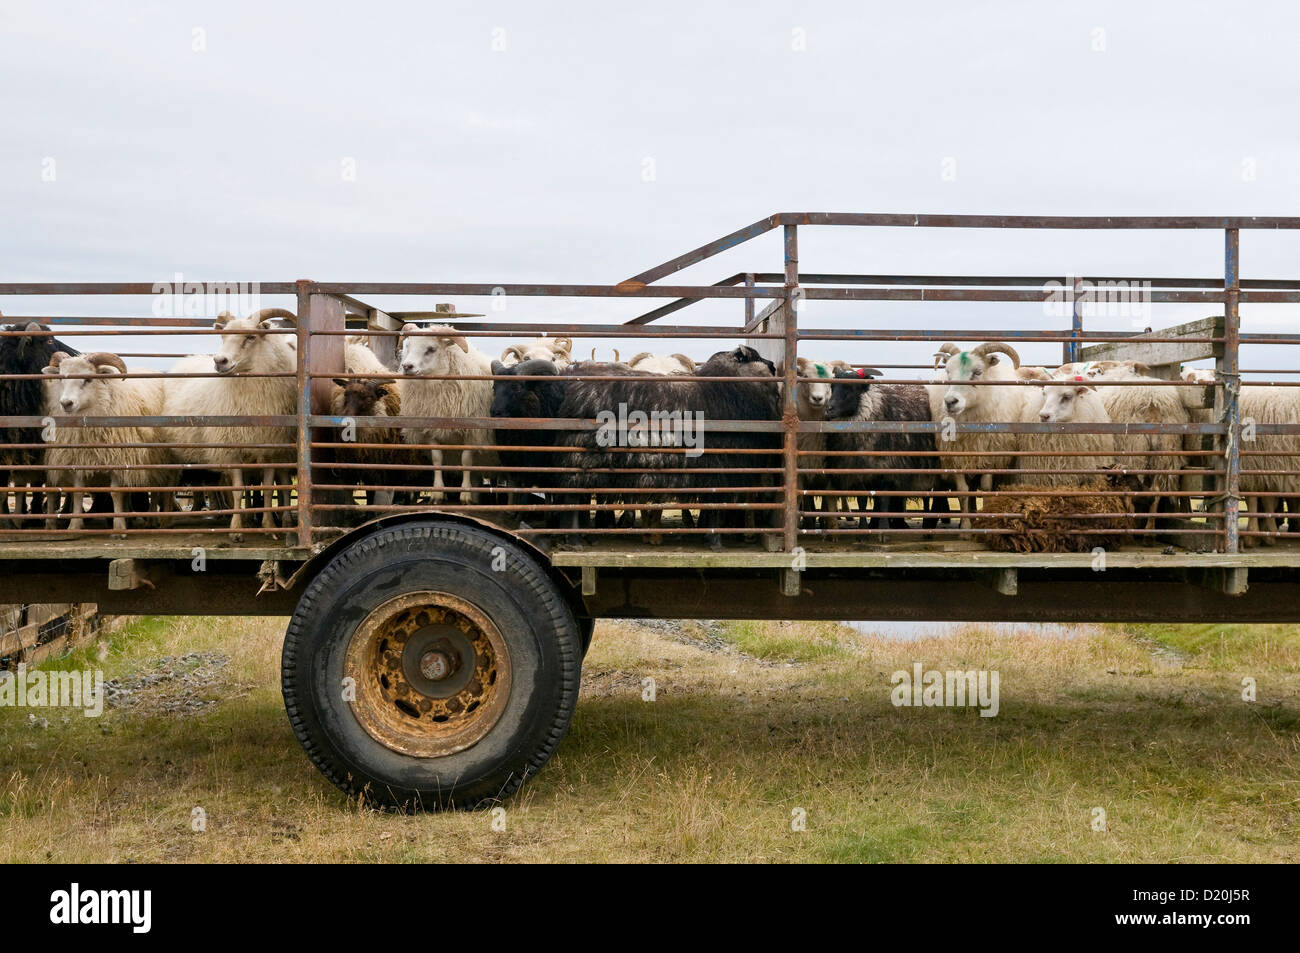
431	665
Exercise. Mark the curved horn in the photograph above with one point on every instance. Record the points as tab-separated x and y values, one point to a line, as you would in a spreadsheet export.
632	361
686	362
103	357
563	344
994	347
267	313
514	349
945	351
57	358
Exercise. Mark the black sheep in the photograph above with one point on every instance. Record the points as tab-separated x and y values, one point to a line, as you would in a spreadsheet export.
855	398
27	353
642	412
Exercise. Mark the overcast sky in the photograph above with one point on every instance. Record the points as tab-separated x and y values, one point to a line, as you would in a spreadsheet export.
586	142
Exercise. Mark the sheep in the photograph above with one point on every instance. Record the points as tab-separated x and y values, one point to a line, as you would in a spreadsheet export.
662	363
555	350
1280	452
114	453
1071	401
1147	404
853	400
1040	520
812	398
524	398
643	401
387	464
243	352
24	354
955	396
438	349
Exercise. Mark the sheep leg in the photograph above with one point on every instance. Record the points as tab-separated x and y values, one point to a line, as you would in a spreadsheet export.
77	521
1268	523
965	503
435	455
268	497
237	498
119	503
653	522
467	482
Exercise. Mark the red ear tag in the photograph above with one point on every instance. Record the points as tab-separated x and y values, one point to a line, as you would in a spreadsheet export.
862	373
1077	378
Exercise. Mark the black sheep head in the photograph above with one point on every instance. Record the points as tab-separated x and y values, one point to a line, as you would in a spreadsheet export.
516	398
846	397
742	361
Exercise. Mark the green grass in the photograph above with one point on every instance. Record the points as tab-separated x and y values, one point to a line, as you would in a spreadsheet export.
1147	724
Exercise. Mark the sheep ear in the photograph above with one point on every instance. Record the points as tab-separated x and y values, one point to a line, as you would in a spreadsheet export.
1143	369
268	325
340	382
409	329
461	343
51	370
498	368
224	318
108	370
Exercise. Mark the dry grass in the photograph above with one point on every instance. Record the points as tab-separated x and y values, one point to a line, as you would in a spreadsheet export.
751	721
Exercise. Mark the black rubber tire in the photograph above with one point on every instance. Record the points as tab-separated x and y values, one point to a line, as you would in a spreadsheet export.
543	637
587	626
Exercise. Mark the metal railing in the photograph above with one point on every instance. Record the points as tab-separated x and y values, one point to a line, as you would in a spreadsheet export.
321	481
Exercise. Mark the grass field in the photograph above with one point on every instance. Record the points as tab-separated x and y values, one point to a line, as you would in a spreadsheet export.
752	724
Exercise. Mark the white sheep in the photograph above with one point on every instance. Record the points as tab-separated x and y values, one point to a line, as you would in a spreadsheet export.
1279	453
1154	404
440	350
555	350
243	352
956	396
662	363
113	455
1073	401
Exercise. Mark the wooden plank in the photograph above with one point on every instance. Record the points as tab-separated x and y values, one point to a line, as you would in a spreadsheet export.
1157	353
654	558
1006	581
771	320
385	347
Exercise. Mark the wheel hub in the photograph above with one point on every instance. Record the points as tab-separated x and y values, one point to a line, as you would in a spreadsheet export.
432	674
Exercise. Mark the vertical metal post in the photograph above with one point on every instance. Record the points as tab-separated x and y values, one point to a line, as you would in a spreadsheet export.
1074	348
304	411
1230	372
749	302
789	407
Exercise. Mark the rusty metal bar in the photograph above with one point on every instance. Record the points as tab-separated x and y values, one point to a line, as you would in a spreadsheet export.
304	290
1227	369
789	405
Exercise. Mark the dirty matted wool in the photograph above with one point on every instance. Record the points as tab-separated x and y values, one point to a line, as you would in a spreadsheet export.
1043	524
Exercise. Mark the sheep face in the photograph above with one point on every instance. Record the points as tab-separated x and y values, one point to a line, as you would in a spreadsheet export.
962	368
80	395
1061	400
357	398
814	383
515	398
430	353
239	346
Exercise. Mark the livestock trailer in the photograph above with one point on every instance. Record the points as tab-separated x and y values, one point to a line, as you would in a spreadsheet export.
436	636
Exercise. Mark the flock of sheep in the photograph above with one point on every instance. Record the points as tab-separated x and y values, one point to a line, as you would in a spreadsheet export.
736	476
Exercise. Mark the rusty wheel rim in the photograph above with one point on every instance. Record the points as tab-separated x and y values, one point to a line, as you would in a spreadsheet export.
431	674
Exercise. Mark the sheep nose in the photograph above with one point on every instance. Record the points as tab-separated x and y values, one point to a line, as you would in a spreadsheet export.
221	360
950	402
408	368
67	403
1045	417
